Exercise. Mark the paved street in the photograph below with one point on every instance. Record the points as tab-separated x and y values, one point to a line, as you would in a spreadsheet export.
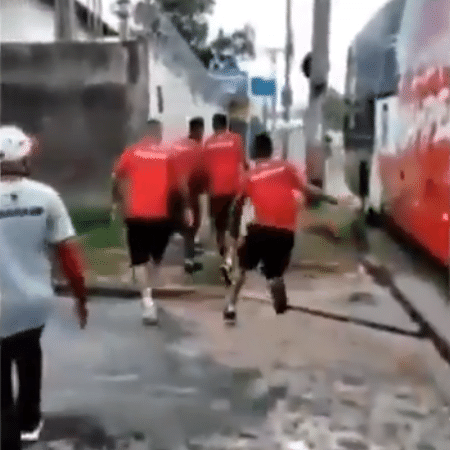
347	367
193	380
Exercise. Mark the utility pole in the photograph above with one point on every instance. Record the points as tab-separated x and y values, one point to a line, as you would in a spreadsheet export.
122	10
273	53
64	20
287	90
315	151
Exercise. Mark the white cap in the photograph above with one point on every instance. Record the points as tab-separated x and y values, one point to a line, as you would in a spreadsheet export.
14	143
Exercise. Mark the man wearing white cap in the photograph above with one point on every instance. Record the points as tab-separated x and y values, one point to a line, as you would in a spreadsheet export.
33	221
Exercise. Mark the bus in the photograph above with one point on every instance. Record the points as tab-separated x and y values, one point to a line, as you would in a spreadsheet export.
397	134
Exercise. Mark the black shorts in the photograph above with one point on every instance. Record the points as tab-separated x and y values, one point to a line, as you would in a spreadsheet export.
148	239
271	246
220	209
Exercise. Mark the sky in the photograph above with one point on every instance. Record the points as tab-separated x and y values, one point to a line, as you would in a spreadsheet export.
267	17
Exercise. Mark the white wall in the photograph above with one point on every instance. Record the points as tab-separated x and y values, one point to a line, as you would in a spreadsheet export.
29	21
179	102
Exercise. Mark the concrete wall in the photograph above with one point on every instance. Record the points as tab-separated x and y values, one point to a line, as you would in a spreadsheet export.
85	101
30	21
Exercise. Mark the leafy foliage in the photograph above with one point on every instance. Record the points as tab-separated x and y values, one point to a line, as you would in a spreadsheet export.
187	7
189	17
239	43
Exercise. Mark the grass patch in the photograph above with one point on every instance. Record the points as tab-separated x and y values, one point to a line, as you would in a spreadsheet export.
97	228
100	236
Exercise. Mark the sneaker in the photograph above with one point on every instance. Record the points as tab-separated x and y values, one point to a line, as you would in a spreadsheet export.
150	314
192	267
229	313
226	269
32	435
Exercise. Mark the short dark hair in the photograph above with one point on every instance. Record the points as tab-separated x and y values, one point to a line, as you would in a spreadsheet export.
219	121
196	123
263	146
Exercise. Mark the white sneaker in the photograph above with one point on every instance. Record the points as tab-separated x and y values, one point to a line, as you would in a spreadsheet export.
32	435
150	315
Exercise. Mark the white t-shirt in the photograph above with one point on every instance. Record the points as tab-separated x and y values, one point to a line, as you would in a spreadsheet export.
32	217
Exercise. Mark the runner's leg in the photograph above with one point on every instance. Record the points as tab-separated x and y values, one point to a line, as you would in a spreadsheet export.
248	256
190	265
226	268
277	254
140	238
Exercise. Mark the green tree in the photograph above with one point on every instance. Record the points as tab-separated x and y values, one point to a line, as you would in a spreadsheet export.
189	17
239	43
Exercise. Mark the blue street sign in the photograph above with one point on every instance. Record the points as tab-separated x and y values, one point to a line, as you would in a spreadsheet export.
264	87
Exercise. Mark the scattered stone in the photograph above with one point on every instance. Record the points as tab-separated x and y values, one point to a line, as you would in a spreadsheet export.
356	393
348	441
295	445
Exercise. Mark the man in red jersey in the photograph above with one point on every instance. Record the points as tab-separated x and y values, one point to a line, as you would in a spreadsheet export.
274	189
144	186
225	163
186	156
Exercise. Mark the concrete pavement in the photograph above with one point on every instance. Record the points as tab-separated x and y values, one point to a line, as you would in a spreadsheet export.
194	383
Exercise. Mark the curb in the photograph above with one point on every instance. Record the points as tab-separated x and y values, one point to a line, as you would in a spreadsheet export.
383	277
131	292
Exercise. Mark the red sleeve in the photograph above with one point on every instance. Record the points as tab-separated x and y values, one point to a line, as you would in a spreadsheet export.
70	257
122	166
296	177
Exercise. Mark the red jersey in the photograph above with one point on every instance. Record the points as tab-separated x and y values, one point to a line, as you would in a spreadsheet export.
187	159
273	188
149	177
224	160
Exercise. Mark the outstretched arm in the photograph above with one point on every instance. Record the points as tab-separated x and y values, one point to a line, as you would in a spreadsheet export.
309	190
318	194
